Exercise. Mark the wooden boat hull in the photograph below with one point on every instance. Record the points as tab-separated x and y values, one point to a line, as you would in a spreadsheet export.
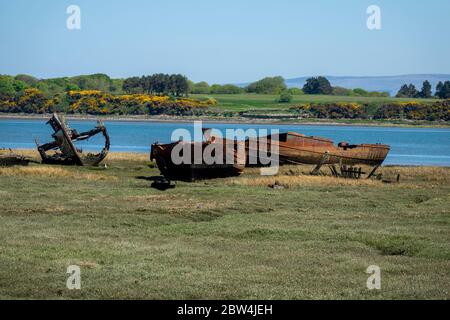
297	148
65	151
162	155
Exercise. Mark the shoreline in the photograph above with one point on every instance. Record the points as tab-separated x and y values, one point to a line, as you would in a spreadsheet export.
144	154
185	119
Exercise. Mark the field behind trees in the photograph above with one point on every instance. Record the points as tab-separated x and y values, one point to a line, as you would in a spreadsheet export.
250	101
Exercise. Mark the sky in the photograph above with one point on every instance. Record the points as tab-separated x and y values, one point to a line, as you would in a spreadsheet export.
218	41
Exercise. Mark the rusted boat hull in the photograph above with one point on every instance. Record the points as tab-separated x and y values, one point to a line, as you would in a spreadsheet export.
296	148
370	155
162	155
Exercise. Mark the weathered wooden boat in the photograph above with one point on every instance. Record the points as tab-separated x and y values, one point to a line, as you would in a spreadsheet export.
295	148
64	149
231	160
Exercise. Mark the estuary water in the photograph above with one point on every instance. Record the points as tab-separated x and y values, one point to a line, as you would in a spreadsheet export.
409	146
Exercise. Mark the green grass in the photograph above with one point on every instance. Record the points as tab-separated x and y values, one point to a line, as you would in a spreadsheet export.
222	238
246	102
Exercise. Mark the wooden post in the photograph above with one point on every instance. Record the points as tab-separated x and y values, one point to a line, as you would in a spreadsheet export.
324	159
373	171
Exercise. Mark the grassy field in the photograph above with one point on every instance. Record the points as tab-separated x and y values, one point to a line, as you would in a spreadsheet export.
248	101
226	238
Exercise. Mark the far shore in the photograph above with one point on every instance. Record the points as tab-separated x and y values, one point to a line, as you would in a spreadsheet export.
233	120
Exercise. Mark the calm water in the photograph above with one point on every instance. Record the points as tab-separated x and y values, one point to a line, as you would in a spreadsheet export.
412	146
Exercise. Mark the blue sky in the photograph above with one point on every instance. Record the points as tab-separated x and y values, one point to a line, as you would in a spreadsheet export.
224	41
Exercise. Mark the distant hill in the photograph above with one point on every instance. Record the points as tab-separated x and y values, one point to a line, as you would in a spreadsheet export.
389	84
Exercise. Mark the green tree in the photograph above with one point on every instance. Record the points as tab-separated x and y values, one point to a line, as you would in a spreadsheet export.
285	97
98	81
295	91
29	80
360	92
413	93
146	84
317	85
160	83
443	90
133	85
201	88
407	91
439	87
225	89
54	86
180	85
403	92
426	90
6	87
19	86
268	85
116	86
9	87
340	91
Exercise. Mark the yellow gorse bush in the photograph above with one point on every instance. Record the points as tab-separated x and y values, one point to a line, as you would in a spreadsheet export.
409	103
352	105
97	102
81	93
142	98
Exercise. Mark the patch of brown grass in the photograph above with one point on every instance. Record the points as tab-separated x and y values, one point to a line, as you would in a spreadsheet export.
299	174
439	175
176	203
303	180
111	155
52	172
128	156
87	264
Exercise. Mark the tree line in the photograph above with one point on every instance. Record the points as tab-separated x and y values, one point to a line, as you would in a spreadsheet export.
158	84
276	85
179	85
410	91
413	110
10	85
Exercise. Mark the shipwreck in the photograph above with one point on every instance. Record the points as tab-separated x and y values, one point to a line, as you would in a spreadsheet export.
62	149
295	148
227	159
